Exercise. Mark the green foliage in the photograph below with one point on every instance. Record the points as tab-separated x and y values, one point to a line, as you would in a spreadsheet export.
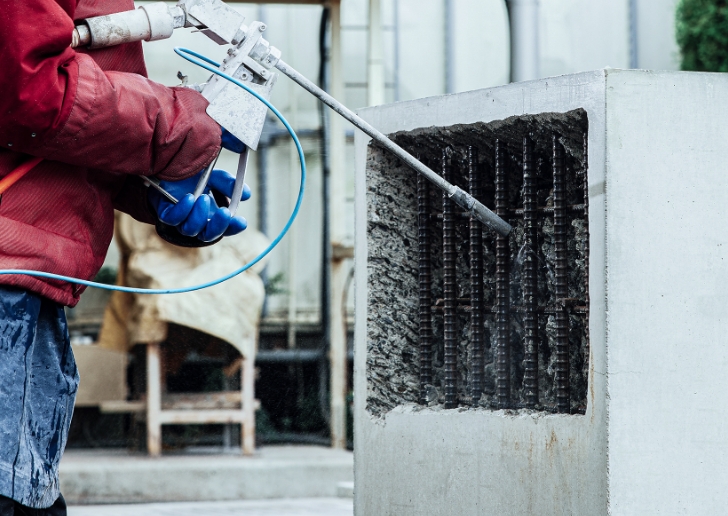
273	286
107	276
702	35
263	425
308	414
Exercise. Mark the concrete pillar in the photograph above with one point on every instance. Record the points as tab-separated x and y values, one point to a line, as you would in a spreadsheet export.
525	55
337	207
293	257
247	385
154	400
633	35
375	65
450	46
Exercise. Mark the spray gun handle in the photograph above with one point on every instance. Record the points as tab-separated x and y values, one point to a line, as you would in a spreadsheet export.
156	21
251	59
147	23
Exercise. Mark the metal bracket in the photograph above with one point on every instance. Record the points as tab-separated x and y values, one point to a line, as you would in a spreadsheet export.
232	107
220	22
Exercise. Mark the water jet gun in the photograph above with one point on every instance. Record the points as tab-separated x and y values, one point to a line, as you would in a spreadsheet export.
254	63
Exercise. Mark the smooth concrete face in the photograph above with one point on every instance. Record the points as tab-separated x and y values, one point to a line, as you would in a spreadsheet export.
433	461
667	247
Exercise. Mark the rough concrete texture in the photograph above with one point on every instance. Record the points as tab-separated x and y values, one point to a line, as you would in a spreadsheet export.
393	316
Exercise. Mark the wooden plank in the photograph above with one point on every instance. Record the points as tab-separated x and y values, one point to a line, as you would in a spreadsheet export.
201	417
337	207
122	407
202	401
247	382
206	401
154	400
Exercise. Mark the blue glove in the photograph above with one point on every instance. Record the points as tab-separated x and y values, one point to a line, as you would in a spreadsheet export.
201	218
231	143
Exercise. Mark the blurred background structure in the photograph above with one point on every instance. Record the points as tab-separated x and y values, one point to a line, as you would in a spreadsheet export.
364	52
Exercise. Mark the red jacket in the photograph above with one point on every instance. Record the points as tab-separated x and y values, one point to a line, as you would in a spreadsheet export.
99	123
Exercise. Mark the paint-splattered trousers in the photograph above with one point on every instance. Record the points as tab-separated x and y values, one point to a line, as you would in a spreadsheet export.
38	384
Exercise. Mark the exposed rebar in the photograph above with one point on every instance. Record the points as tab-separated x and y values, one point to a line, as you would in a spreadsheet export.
502	272
561	285
449	290
425	284
529	277
585	167
476	284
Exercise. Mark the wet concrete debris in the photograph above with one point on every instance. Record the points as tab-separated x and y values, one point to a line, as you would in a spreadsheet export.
550	376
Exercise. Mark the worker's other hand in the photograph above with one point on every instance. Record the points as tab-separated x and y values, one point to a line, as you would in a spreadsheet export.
201	218
230	142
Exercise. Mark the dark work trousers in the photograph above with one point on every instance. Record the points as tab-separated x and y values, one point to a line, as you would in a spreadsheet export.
10	507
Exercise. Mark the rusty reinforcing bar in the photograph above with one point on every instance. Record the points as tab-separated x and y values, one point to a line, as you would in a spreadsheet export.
504	347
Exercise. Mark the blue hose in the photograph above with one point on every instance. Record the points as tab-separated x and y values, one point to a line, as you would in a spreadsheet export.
212	66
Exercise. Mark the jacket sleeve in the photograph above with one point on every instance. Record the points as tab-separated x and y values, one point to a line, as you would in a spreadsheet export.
132	200
58	104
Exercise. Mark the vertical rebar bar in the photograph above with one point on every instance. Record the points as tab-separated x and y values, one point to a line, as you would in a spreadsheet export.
425	280
449	290
585	167
529	277
503	287
477	329
561	285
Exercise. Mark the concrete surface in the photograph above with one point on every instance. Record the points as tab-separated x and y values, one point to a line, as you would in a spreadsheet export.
345	490
435	461
95	477
299	507
654	438
667	247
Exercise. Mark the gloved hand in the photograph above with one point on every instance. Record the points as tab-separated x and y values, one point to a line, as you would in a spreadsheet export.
231	143
202	221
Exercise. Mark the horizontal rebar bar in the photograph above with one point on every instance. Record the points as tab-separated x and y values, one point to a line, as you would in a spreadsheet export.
575	209
465	308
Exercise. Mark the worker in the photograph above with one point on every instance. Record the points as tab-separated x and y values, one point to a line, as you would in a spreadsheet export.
100	126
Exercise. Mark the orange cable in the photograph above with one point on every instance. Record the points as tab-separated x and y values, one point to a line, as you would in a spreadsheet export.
13	177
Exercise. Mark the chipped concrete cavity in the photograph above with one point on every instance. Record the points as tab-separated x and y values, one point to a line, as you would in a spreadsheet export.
393	291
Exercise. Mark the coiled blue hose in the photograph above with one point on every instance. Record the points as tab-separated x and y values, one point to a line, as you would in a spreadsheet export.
212	66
